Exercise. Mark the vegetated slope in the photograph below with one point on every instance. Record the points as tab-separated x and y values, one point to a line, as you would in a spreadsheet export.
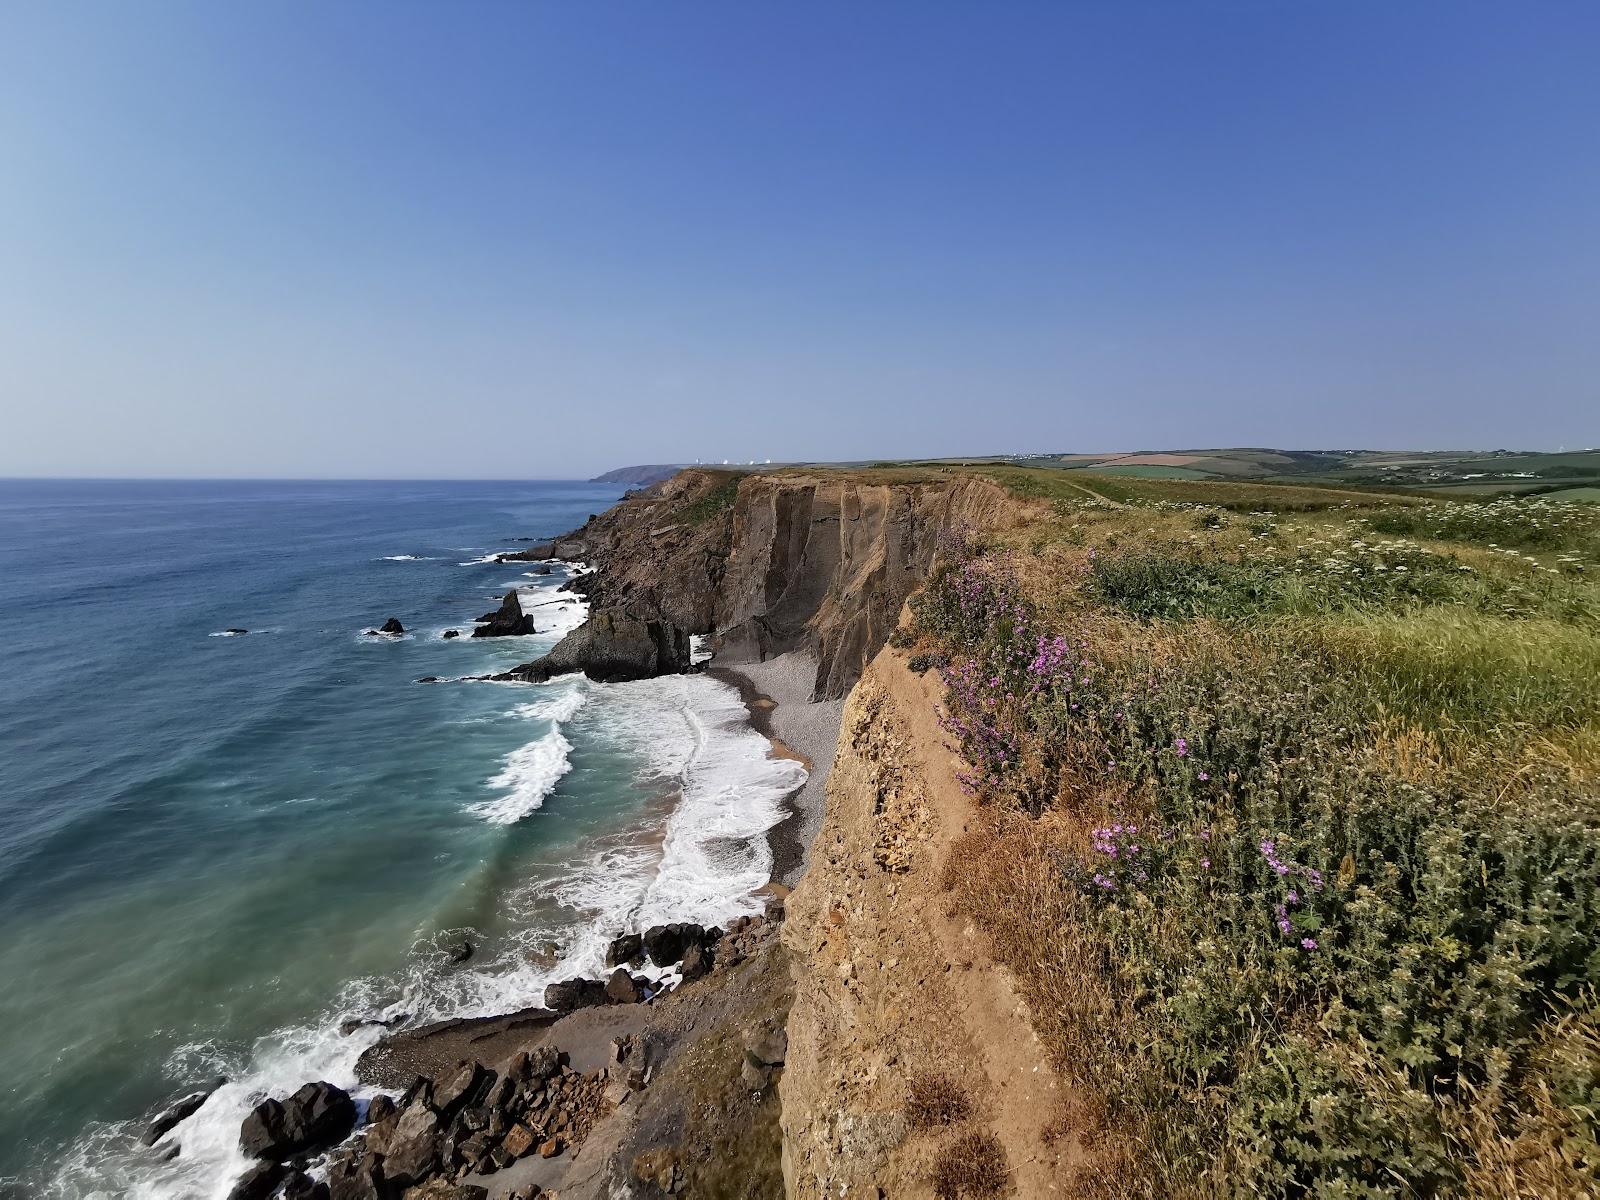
1287	822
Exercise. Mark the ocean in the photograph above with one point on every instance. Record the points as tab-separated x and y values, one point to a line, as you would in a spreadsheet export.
215	848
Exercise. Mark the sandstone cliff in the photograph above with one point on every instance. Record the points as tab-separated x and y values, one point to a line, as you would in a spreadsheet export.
779	562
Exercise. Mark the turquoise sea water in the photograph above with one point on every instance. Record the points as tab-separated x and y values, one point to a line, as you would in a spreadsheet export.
214	848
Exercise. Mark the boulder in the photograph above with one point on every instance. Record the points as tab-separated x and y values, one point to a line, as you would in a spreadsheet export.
392	627
544	1062
519	1141
665	944
696	963
178	1111
357	1178
411	1151
319	1115
297	1185
612	646
506	621
460	1088
259	1182
571	994
626	948
452	633
444	1189
621	989
381	1108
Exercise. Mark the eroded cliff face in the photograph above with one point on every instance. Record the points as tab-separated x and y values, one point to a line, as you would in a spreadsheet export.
894	992
779	562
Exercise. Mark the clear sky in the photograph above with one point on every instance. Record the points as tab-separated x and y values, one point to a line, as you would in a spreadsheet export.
523	240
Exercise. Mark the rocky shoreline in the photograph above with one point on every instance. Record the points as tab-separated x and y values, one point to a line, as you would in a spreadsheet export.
643	1084
504	1107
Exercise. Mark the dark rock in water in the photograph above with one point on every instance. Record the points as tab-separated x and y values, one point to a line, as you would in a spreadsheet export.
611	646
621	989
392	626
300	1186
506	621
233	631
451	633
767	1047
259	1182
626	948
168	1153
350	1024
427	679
461	953
542	569
665	944
317	1116
178	1111
571	994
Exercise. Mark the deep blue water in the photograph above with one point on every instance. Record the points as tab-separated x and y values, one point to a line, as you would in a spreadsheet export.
213	847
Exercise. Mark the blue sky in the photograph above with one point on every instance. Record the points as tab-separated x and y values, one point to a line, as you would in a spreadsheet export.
514	240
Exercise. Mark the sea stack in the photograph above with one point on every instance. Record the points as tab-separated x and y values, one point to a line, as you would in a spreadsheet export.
506	621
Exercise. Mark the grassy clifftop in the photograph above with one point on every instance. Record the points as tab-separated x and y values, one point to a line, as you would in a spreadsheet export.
1292	826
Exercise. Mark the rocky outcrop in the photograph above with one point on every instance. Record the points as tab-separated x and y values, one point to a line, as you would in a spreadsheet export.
317	1116
177	1112
447	1133
611	646
776	562
390	628
506	621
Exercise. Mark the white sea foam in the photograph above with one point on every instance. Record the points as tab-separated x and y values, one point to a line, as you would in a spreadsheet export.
698	651
406	558
529	773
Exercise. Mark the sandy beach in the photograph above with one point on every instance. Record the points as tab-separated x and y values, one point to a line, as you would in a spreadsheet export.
778	694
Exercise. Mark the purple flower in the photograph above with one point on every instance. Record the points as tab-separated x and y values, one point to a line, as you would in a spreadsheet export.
1205	864
1308	943
1181	745
1202	776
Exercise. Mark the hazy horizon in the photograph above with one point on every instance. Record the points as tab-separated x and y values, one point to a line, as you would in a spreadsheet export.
412	242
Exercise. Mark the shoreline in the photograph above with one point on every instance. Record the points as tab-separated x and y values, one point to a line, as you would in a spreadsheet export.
777	693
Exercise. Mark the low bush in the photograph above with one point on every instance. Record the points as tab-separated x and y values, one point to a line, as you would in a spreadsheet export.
933	1098
974	1164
